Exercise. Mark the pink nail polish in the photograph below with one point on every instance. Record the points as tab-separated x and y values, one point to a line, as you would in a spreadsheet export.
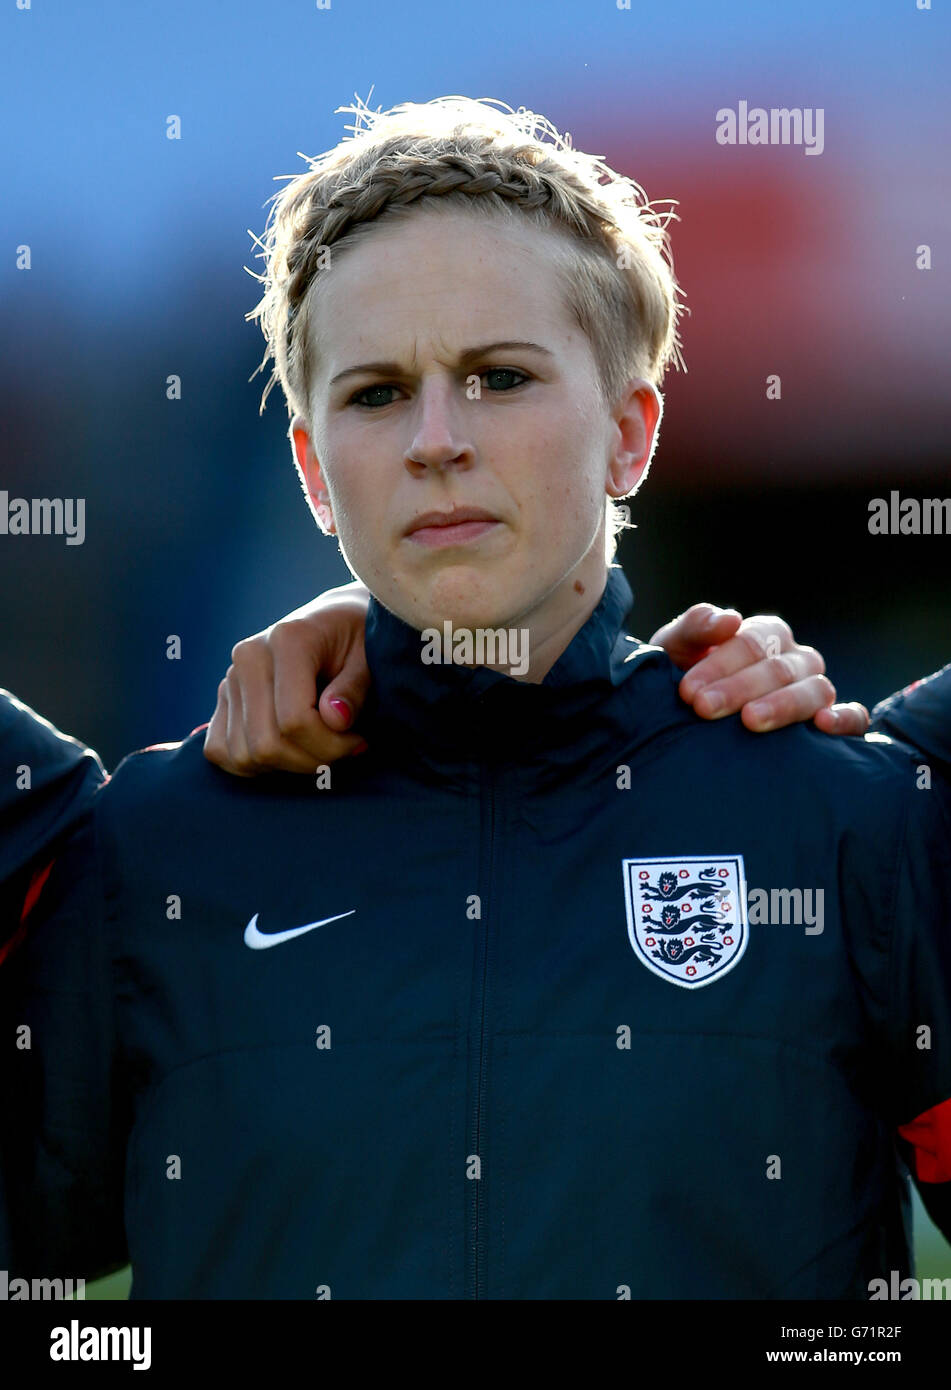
342	707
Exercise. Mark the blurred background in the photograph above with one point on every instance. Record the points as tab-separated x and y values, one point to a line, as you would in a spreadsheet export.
798	265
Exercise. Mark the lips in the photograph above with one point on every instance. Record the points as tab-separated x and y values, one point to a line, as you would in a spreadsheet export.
446	530
456	517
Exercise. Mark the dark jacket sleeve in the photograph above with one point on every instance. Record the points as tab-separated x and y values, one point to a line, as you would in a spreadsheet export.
920	715
63	1098
918	1027
47	781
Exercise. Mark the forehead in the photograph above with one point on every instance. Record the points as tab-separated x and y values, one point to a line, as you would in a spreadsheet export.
439	280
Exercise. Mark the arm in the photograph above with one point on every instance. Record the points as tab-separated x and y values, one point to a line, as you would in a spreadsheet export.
47	781
920	715
65	1122
917	1035
266	717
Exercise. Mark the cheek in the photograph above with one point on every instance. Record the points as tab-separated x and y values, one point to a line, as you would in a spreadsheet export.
569	455
349	489
356	524
572	489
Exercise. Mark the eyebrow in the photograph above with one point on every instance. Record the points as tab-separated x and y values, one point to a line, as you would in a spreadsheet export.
469	355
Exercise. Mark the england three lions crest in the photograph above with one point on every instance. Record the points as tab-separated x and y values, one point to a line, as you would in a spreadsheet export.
686	917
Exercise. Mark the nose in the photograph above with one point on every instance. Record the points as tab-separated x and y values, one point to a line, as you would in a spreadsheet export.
438	439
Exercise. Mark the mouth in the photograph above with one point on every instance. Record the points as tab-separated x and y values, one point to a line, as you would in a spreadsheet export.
438	530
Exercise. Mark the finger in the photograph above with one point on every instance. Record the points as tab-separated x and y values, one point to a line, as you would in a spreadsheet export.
271	691
215	747
851	719
687	638
756	639
303	652
254	677
299	724
730	693
253	742
268	749
239	759
317	743
791	705
350	688
299	652
701	615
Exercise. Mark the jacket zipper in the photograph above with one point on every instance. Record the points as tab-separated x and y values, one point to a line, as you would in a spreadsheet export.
477	1227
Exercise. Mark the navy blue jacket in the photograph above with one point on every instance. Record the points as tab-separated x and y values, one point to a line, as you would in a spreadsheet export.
47	781
920	715
489	1072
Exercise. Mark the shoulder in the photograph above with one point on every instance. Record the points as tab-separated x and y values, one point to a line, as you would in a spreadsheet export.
871	778
168	773
921	715
836	767
48	781
161	766
172	785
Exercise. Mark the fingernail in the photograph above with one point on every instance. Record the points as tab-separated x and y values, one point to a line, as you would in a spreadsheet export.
341	706
761	712
713	701
361	747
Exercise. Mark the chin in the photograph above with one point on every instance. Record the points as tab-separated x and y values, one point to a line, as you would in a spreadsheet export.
466	597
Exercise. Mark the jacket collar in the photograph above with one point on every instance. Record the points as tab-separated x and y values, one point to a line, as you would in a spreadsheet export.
443	713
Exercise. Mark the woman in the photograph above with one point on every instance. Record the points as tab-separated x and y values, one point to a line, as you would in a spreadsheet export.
482	1012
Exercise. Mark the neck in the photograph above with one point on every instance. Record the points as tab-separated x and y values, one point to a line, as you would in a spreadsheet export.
531	642
436	711
551	628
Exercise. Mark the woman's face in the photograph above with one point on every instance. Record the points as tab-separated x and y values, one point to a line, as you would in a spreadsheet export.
444	421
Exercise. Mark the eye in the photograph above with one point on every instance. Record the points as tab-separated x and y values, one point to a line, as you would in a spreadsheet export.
355	398
505	371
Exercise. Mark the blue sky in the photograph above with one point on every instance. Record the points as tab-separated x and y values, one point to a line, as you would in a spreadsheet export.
89	175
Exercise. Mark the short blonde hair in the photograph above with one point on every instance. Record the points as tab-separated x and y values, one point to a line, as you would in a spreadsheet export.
458	152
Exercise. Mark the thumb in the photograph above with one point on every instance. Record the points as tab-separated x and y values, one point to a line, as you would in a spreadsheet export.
688	638
343	698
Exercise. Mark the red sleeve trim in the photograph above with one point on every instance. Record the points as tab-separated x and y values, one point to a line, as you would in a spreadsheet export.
930	1136
29	902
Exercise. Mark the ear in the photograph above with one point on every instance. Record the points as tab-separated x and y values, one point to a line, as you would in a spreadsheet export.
311	477
638	419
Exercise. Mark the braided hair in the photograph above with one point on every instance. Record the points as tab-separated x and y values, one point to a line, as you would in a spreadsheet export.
459	152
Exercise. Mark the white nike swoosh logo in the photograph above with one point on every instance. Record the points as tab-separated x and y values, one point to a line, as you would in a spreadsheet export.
258	941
